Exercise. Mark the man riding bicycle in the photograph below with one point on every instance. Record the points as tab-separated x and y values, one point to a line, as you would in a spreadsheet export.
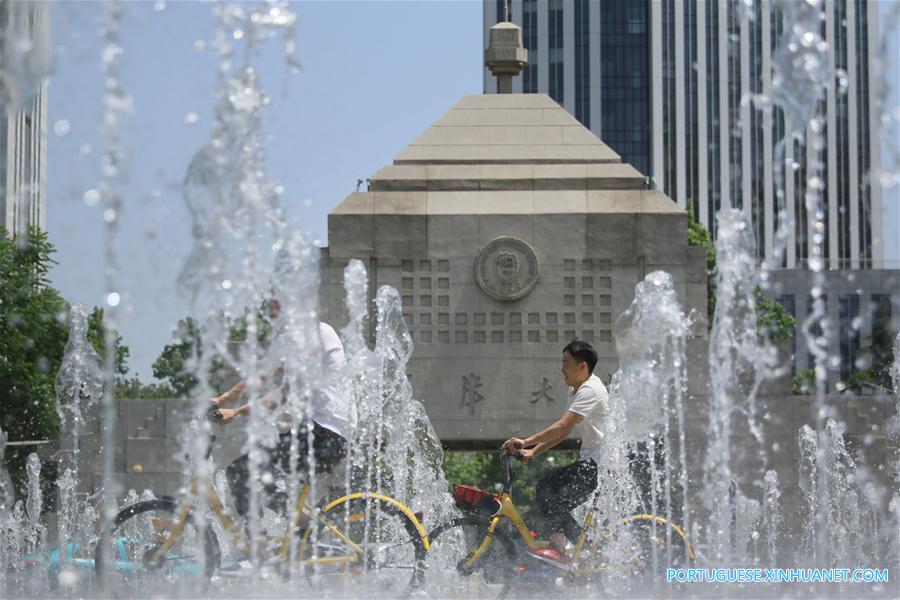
333	421
564	488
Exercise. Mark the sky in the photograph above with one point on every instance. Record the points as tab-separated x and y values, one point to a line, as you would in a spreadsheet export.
374	75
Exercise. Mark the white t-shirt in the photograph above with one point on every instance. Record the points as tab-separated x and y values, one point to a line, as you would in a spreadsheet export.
591	401
332	407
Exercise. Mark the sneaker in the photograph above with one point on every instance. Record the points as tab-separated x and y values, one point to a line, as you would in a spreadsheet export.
552	557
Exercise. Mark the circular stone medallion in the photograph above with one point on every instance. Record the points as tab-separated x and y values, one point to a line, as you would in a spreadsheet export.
506	269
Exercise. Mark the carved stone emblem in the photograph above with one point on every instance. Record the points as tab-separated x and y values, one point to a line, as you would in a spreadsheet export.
506	269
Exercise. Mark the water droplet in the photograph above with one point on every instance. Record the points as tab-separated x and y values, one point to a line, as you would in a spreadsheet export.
226	284
160	5
191	118
91	197
85	149
113	299
109	215
68	578
843	81
61	128
109	54
840	385
238	34
199	45
857	323
307	202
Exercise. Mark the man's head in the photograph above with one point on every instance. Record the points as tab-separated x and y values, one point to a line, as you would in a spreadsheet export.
578	361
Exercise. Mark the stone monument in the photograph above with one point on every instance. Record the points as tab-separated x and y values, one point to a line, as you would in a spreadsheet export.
509	229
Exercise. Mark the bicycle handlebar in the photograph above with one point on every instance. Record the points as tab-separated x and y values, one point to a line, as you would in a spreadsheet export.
510	472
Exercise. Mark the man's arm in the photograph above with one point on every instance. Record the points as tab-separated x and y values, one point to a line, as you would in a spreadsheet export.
232	394
270	400
237	389
542	441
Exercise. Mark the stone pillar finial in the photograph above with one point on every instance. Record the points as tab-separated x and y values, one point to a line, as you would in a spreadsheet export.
505	56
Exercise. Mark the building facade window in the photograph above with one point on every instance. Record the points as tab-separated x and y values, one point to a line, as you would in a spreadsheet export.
863	154
789	304
670	166
582	63
611	46
816	330
849	333
625	81
530	41
556	42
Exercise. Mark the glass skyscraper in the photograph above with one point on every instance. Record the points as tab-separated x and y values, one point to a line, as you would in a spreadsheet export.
667	83
23	122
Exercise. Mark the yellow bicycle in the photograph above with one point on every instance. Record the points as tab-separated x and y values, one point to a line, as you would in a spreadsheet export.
162	540
483	551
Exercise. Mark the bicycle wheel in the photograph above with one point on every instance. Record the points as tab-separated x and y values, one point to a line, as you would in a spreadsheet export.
386	550
451	546
127	568
638	545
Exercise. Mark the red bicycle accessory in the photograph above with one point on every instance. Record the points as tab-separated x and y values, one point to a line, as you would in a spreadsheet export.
473	499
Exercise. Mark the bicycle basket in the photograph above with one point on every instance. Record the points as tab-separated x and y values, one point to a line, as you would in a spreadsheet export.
473	499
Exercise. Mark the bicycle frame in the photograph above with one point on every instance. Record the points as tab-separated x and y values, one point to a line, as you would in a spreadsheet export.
239	539
509	511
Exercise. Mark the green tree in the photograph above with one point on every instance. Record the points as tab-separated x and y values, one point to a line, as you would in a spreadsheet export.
173	364
486	469
33	336
804	383
772	320
698	235
96	335
880	353
128	388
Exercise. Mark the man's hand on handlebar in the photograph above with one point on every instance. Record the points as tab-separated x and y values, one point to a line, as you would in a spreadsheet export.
511	445
227	415
515	448
525	455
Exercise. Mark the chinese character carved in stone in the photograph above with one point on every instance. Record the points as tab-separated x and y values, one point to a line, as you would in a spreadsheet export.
544	392
470	393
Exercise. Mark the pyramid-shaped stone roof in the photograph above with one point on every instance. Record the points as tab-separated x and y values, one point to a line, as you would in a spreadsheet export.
507	154
507	129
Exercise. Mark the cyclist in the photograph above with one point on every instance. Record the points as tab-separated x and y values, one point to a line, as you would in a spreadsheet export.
333	421
566	487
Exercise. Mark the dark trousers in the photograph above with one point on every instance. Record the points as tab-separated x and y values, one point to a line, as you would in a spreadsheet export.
563	489
328	449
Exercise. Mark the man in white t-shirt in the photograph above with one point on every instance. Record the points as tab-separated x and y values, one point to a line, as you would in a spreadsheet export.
566	487
333	421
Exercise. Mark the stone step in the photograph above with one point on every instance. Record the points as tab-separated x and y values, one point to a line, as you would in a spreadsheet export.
137	425
154	427
135	411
